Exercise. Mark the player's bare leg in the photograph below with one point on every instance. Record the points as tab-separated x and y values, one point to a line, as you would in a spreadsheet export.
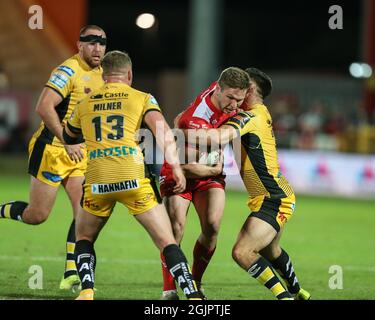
41	200
73	188
255	235
157	223
177	208
210	208
282	263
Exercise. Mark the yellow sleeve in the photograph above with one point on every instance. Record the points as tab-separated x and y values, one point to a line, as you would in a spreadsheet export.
150	104
61	79
74	123
244	122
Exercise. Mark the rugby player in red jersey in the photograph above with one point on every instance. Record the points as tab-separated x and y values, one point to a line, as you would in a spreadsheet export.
205	185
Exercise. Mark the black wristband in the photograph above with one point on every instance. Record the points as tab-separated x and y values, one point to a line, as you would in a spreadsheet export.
70	140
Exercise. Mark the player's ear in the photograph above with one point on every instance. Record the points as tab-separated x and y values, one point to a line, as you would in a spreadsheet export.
79	45
252	89
130	77
217	89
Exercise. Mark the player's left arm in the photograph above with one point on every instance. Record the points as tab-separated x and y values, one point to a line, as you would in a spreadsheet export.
69	136
196	170
235	127
165	140
72	132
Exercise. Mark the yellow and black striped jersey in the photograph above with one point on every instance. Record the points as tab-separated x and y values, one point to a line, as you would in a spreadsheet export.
260	170
72	80
109	119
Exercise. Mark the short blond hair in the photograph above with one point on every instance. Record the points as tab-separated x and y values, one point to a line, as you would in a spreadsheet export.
234	77
115	61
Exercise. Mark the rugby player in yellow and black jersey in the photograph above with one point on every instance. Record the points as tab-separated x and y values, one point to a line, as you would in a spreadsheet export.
271	198
109	119
50	162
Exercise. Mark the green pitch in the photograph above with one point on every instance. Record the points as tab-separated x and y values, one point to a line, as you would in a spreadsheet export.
324	232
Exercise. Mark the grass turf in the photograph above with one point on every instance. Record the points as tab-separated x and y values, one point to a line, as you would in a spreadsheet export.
323	232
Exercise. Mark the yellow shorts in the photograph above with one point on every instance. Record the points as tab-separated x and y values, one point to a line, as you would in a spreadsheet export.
51	164
277	212
137	195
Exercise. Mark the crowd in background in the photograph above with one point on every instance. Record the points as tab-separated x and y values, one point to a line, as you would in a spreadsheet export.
318	126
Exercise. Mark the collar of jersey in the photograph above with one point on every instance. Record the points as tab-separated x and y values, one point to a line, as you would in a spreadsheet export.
211	105
116	84
257	106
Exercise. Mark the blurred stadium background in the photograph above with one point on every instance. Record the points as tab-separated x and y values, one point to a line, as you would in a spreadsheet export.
323	107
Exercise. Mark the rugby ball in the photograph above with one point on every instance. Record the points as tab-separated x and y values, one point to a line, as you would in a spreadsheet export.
209	158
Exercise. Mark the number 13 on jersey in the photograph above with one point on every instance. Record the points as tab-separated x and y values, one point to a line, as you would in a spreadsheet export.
116	122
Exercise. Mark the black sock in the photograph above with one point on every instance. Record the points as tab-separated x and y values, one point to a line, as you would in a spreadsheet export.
284	267
179	268
70	265
262	271
85	261
13	210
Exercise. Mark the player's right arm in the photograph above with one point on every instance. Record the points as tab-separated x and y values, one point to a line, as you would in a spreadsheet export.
58	87
45	107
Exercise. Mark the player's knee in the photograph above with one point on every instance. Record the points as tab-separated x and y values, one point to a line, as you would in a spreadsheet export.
242	255
237	254
178	229
35	217
38	219
211	229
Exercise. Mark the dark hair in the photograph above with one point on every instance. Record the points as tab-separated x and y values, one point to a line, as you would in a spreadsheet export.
262	80
233	77
114	61
90	27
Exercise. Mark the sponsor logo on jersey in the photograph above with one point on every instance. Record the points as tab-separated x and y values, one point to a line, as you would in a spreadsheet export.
153	101
192	125
97	96
112	152
111	95
58	79
115	187
67	70
242	119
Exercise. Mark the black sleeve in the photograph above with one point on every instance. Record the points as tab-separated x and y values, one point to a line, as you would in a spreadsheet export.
70	140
